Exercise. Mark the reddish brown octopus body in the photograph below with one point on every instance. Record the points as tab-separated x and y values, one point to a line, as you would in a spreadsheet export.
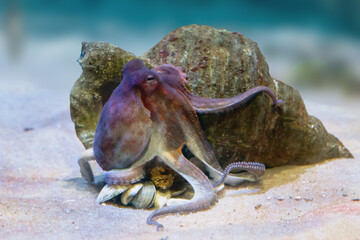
151	114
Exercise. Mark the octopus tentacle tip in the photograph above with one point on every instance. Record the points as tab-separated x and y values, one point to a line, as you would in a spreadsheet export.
151	221
159	228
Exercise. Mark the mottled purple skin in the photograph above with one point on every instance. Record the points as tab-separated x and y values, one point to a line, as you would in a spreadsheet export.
152	114
124	127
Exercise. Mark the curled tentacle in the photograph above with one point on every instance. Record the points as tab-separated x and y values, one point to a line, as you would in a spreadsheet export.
85	169
217	105
255	168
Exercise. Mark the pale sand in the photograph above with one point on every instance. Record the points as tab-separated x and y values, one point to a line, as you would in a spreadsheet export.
43	197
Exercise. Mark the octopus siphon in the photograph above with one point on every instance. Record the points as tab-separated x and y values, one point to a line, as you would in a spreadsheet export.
150	117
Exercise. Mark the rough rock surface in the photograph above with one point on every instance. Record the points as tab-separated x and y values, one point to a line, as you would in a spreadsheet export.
219	64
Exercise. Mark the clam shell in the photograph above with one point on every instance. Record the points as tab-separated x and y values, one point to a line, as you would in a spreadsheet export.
140	195
130	193
144	199
110	191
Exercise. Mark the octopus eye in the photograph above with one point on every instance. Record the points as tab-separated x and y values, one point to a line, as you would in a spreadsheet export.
150	78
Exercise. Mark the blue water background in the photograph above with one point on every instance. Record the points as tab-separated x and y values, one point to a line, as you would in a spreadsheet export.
40	40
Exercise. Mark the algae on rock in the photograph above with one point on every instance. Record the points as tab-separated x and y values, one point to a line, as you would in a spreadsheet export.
219	64
102	65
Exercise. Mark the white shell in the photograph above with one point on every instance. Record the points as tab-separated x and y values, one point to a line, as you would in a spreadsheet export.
144	198
140	195
110	191
130	193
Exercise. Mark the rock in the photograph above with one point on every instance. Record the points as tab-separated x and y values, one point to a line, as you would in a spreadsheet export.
102	65
219	64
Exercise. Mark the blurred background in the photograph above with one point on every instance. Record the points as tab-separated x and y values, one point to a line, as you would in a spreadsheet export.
308	43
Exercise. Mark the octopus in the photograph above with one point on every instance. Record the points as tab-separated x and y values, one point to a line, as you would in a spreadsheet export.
151	116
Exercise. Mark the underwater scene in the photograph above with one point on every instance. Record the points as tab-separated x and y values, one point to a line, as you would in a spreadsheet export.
179	119
309	42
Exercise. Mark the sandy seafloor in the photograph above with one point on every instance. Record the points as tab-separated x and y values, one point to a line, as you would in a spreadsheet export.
43	197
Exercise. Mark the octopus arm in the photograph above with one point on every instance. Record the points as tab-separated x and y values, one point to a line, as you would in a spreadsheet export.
85	168
255	169
124	176
204	193
218	105
199	146
195	139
